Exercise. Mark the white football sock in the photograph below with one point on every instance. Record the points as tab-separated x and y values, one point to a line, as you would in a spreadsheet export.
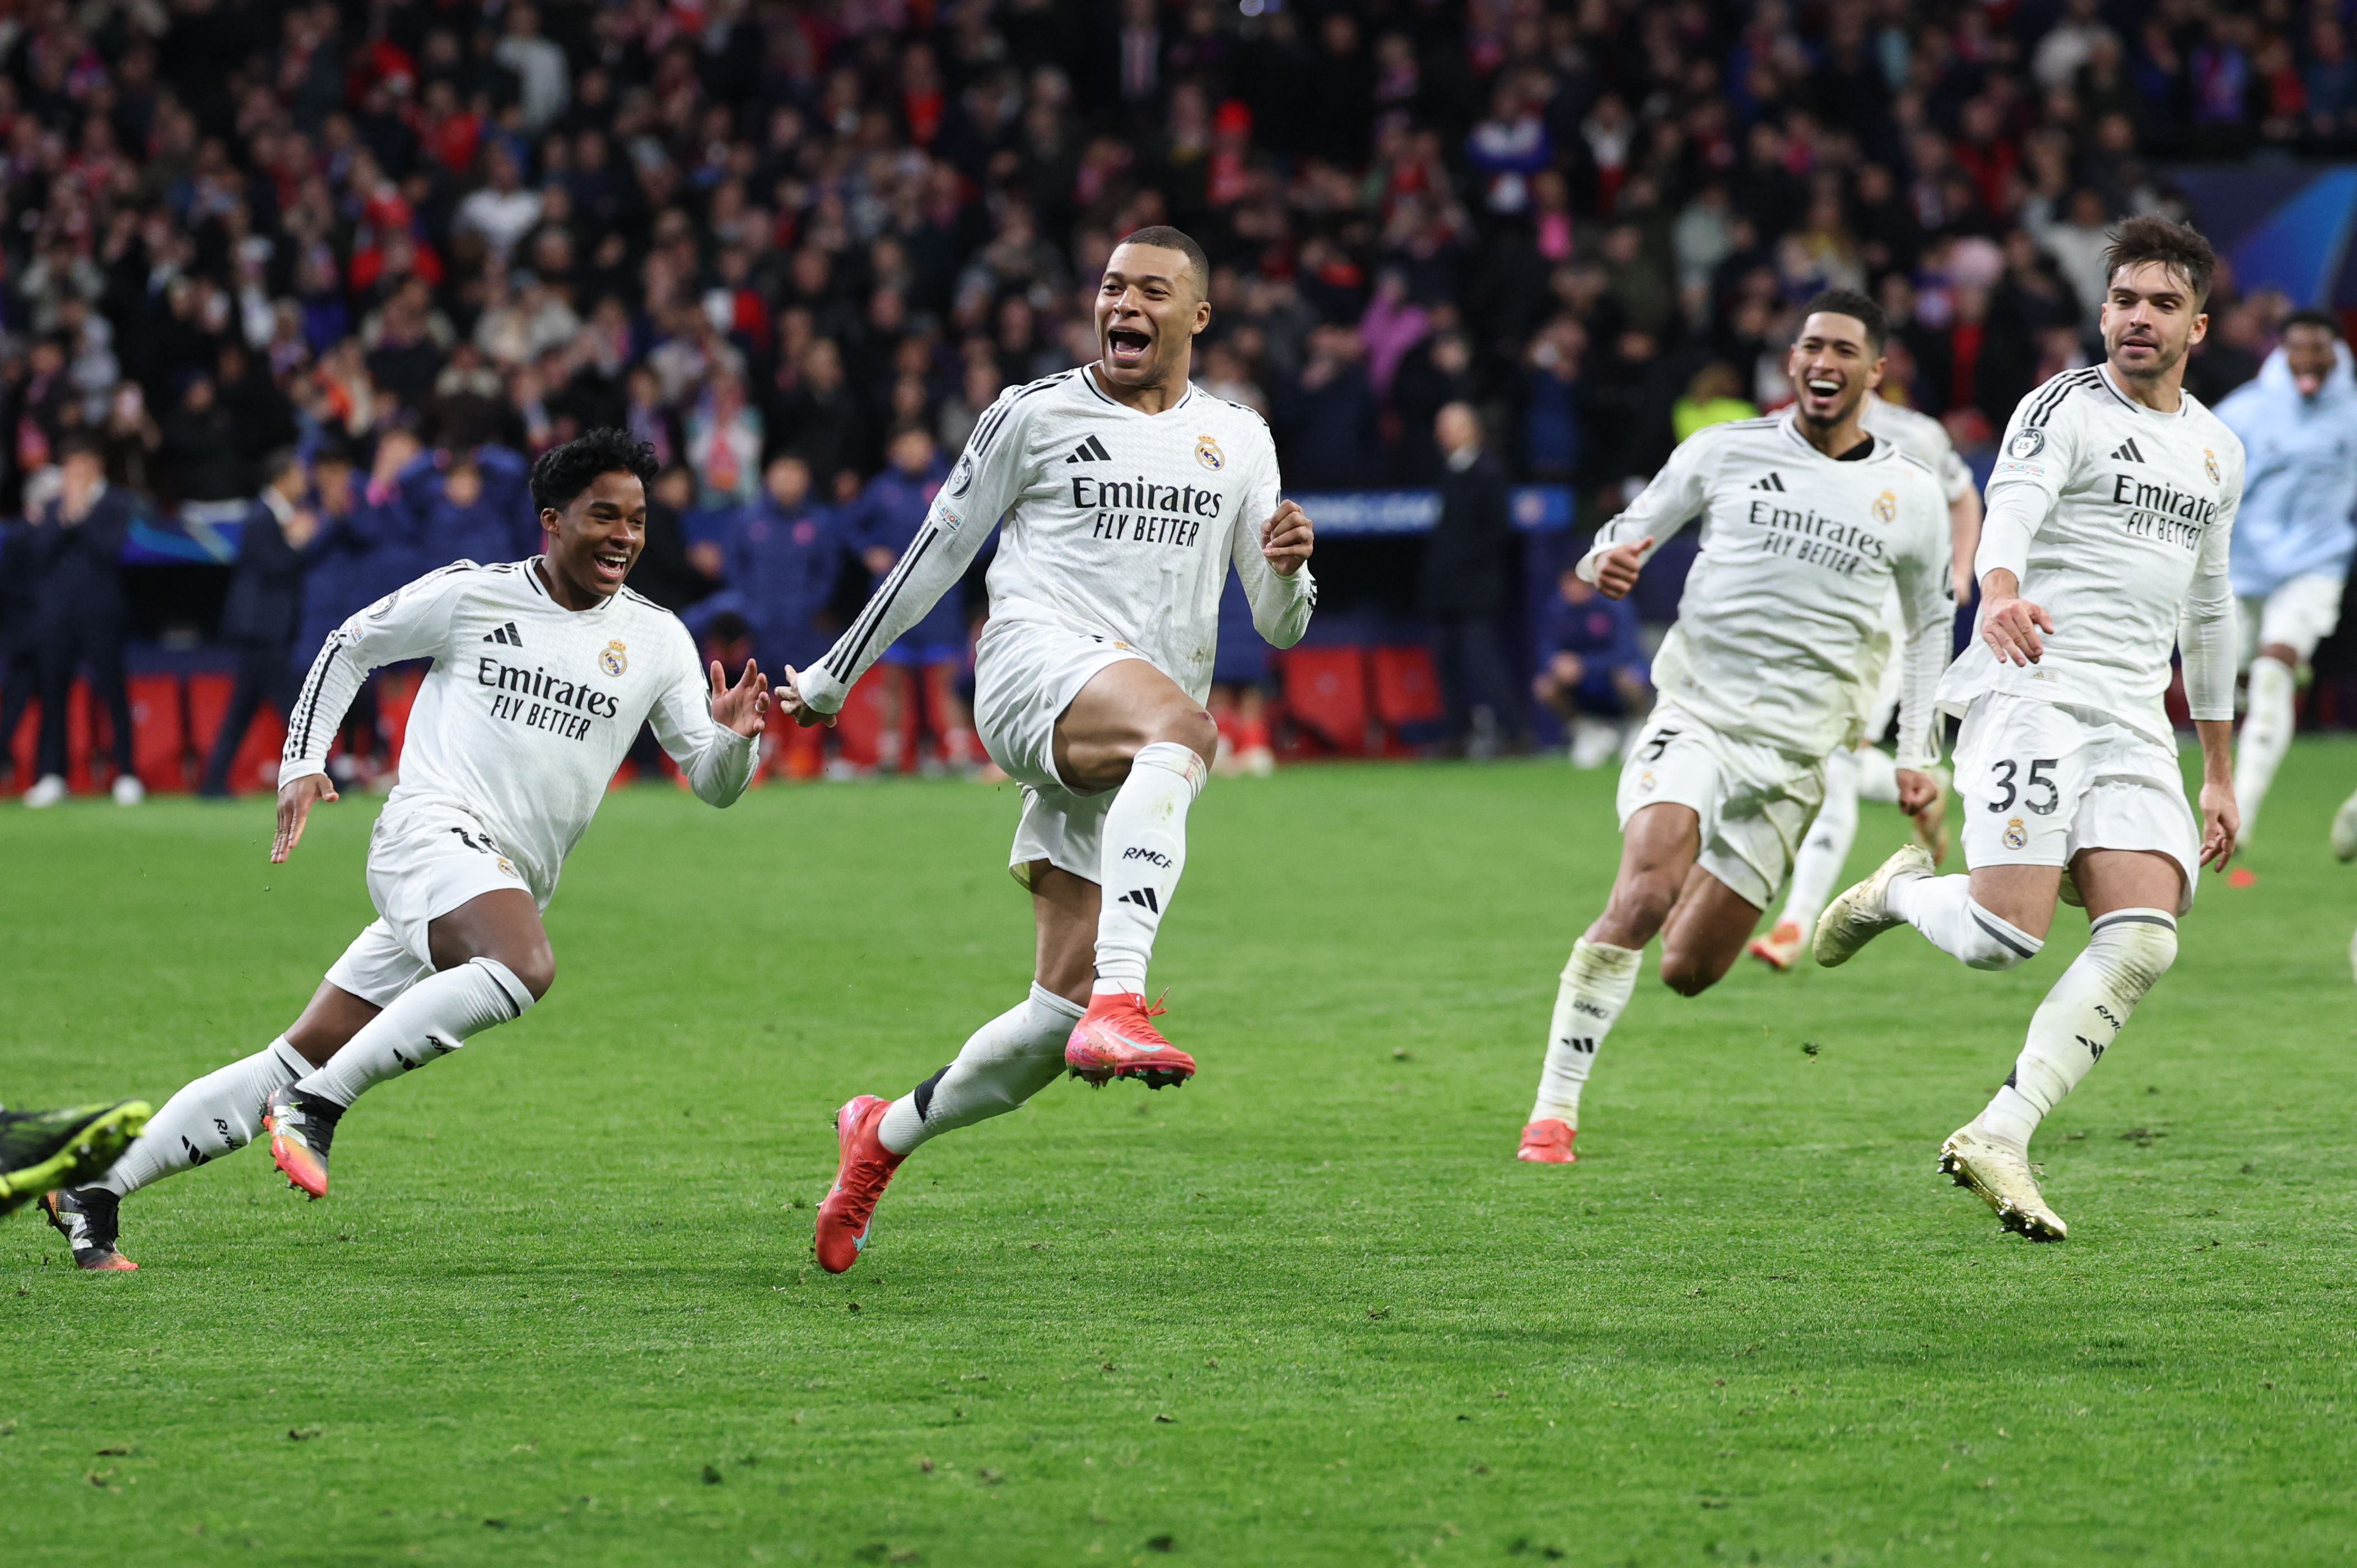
2266	735
1596	985
432	1018
1942	908
1145	851
2127	951
1001	1065
215	1115
1825	849
1877	776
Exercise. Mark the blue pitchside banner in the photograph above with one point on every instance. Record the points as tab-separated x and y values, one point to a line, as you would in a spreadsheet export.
2282	226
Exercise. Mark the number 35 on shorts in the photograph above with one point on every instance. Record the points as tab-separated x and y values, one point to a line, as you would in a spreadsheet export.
2037	790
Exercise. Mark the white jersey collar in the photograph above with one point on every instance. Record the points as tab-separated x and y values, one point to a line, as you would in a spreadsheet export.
531	568
1790	422
1088	380
2184	398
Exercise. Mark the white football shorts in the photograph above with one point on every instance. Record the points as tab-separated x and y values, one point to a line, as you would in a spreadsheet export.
421	865
1755	802
2040	782
1025	673
2299	613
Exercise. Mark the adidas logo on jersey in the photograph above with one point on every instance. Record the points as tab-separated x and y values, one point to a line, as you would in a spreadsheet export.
1089	451
506	634
2128	453
1142	896
1774	481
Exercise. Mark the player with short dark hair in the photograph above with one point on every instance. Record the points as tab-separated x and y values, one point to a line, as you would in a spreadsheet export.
1126	493
2106	546
543	671
1810	523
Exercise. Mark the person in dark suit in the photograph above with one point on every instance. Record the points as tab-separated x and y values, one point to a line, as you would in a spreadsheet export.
19	668
365	549
76	555
264	608
1465	584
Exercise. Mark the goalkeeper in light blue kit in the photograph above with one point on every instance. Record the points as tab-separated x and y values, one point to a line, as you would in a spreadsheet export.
2293	536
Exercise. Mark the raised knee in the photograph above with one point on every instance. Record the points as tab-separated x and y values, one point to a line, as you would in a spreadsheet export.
536	970
2137	946
1685	974
1195	729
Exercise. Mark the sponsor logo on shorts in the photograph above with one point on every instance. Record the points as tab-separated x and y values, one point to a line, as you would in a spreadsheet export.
2017	836
615	658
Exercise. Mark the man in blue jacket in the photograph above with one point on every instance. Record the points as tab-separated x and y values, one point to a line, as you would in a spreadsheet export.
882	522
78	614
2293	534
367	547
784	555
264	608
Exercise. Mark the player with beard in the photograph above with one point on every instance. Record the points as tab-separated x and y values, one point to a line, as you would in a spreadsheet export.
2106	544
1809	522
543	671
1126	492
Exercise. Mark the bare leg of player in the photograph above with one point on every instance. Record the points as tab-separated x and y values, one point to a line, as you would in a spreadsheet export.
1659	890
1001	1065
491	961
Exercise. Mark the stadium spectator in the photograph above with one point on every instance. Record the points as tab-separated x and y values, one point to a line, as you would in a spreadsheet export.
264	615
236	226
881	523
1591	668
1463	588
76	553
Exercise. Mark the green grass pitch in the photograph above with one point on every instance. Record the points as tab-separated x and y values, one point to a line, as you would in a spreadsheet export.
1308	1310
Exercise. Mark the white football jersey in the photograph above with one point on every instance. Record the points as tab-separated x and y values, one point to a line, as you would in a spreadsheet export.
529	709
2117	519
1921	437
1118	524
1776	634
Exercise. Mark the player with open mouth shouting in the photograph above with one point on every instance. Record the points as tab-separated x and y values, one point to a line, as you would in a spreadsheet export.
543	671
1126	492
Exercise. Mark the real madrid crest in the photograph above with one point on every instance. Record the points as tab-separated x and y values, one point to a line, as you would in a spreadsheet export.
2017	836
615	659
1208	453
1885	507
2210	464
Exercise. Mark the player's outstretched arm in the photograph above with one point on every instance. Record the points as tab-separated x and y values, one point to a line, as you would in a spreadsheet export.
296	799
713	734
742	705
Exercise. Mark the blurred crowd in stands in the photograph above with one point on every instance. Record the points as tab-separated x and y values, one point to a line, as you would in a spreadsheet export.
799	247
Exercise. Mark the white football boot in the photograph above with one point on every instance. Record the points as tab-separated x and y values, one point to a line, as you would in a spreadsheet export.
2344	830
128	790
2000	1173
1860	915
47	791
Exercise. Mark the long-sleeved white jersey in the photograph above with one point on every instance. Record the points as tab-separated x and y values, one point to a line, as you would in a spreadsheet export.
2115	518
1778	629
1118	524
529	708
1921	437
